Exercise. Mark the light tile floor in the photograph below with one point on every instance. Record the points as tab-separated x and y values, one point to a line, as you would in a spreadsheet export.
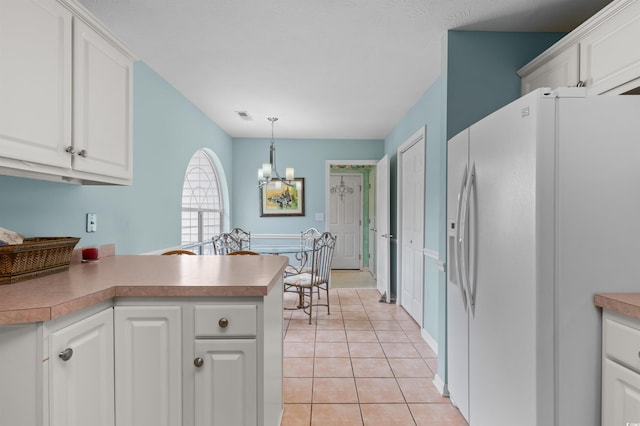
365	364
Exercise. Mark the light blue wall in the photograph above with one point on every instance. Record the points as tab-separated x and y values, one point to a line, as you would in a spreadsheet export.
167	130
429	111
308	157
479	77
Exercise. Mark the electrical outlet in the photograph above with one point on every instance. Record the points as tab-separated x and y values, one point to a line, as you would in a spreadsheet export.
92	222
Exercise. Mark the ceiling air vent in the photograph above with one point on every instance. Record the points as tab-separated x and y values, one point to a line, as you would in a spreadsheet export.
244	115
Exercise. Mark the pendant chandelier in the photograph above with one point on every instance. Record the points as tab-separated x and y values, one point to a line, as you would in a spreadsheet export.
269	172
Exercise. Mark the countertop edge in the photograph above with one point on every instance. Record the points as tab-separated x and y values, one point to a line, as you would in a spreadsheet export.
623	303
86	297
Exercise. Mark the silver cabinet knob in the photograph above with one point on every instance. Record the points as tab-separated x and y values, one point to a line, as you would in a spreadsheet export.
198	362
66	354
223	323
83	153
69	150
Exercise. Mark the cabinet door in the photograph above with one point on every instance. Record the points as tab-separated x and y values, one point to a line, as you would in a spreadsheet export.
20	367
225	382
609	55
35	81
148	365
620	395
81	383
561	71
102	105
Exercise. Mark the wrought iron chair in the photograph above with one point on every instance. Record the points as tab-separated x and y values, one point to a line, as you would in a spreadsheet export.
243	237
224	243
306	243
318	278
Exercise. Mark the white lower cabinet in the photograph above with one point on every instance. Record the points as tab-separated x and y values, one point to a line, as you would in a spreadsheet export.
148	365
81	384
205	361
620	370
225	381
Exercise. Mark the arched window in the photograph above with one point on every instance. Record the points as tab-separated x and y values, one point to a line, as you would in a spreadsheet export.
202	203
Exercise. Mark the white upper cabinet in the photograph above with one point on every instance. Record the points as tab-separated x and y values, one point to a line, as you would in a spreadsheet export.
65	95
35	81
561	71
602	54
101	103
610	55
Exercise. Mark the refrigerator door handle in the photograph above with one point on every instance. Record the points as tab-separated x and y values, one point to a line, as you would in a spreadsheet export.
471	287
456	248
463	255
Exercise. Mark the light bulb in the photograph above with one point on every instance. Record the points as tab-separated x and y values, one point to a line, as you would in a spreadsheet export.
266	170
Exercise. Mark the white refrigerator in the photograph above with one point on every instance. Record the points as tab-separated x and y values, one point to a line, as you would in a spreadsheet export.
543	208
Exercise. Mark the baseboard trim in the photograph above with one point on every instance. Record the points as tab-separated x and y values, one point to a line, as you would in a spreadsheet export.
429	340
440	385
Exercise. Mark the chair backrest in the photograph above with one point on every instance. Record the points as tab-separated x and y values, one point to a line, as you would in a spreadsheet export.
321	257
307	237
178	252
243	252
243	237
224	243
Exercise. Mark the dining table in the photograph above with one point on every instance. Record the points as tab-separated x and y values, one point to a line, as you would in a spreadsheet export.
300	254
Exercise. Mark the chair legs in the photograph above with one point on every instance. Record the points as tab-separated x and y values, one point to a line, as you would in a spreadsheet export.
308	307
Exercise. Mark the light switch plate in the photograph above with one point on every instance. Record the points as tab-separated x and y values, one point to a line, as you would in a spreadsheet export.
92	222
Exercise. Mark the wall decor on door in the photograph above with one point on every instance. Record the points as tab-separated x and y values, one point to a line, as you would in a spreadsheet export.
280	199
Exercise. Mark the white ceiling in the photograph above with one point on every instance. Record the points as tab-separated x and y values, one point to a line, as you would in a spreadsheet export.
327	68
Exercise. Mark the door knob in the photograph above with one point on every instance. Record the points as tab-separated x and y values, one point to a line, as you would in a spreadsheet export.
198	362
66	354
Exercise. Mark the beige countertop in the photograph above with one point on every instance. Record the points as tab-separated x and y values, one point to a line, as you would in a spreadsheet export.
86	284
623	303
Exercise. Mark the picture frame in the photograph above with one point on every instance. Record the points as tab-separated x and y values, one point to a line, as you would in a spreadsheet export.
279	199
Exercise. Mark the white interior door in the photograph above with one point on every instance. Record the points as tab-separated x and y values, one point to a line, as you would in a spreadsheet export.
411	171
383	239
372	223
345	219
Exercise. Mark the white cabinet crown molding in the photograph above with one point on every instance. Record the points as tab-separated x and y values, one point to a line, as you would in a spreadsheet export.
80	12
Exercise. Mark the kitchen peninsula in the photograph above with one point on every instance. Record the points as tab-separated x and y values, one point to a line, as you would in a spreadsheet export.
145	340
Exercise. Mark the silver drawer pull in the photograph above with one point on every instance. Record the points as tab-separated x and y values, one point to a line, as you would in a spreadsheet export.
198	362
66	354
223	323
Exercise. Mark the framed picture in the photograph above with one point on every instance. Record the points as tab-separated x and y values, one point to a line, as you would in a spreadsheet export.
279	199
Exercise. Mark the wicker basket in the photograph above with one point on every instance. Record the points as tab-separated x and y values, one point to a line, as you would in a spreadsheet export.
35	257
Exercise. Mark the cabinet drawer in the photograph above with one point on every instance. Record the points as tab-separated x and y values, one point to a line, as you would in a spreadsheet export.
225	320
622	343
